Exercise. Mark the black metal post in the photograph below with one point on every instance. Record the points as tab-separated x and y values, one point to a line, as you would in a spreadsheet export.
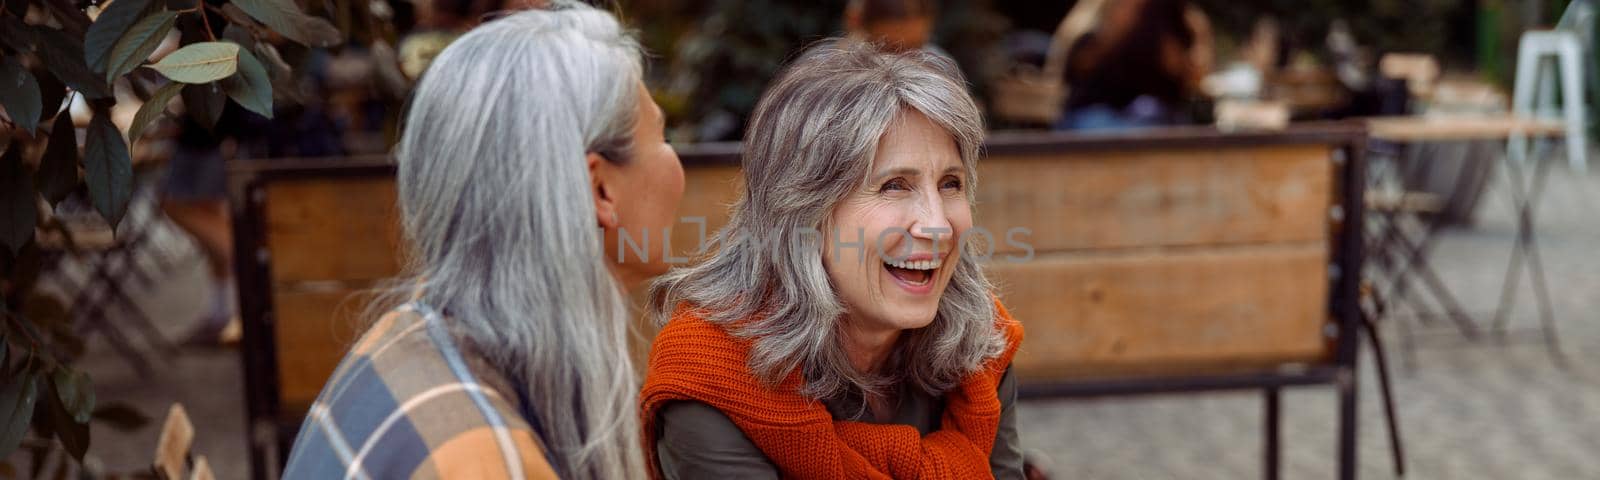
1386	392
1347	304
1271	446
257	351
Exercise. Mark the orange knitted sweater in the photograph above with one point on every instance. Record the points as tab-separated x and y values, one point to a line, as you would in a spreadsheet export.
693	359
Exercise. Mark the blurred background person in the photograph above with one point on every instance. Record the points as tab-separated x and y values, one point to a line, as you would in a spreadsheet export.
1138	67
894	25
194	196
439	22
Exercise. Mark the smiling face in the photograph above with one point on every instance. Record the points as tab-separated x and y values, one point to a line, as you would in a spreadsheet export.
911	209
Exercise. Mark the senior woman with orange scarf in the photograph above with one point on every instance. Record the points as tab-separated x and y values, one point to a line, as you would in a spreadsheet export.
841	326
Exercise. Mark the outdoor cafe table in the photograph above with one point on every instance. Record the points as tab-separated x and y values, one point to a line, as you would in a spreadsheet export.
1525	191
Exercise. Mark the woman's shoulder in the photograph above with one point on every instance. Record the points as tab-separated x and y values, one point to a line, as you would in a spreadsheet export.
689	332
1012	334
689	341
490	454
698	441
407	400
1006	323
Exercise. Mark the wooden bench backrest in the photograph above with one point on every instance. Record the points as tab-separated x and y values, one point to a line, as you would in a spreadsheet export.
329	240
1164	261
1144	261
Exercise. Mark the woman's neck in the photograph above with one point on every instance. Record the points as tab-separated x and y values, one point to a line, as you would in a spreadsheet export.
627	279
868	349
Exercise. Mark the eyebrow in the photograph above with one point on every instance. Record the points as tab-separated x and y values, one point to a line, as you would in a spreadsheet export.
912	172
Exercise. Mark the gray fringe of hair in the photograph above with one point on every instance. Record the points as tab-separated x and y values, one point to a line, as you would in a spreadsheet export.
809	143
500	226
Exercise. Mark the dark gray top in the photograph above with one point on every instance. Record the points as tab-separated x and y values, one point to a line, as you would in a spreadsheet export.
698	441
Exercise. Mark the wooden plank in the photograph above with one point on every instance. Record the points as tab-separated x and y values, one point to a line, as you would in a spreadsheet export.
1440	128
1129	199
313	331
172	446
1140	204
202	470
332	229
1240	195
1167	311
708	193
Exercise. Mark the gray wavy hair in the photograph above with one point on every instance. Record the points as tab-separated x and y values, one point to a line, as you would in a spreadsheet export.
809	143
499	220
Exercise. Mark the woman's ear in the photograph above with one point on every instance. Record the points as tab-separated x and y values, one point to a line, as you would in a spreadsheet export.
605	207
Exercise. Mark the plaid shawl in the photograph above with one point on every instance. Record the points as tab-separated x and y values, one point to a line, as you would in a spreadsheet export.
406	403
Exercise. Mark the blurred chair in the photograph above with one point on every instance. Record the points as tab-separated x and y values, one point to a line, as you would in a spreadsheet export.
101	301
1566	46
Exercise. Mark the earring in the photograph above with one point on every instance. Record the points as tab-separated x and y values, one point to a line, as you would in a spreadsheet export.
614	220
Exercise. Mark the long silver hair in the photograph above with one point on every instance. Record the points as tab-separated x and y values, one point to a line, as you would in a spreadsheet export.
500	224
809	143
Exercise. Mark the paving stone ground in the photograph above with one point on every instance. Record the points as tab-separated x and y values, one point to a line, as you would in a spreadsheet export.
1468	410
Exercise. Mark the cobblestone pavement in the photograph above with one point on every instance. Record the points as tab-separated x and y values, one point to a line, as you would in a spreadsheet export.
1468	410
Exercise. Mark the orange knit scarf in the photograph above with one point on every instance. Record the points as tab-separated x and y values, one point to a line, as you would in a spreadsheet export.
695	360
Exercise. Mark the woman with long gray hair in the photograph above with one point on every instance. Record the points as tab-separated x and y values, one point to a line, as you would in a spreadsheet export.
503	350
841	327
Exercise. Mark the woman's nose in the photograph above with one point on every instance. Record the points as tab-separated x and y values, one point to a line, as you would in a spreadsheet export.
930	219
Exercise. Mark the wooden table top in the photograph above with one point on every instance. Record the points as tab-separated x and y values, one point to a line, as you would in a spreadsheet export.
1440	128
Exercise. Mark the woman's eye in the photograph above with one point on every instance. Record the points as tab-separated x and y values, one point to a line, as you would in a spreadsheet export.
895	185
950	184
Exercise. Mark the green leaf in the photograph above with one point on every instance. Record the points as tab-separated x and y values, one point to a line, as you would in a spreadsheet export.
73	434
68	14
251	87
318	33
15	34
121	416
237	34
19	93
53	92
107	28
284	17
17	399
200	62
284	86
107	168
237	17
204	103
76	393
50	313
152	109
58	170
19	210
137	44
25	269
63	55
